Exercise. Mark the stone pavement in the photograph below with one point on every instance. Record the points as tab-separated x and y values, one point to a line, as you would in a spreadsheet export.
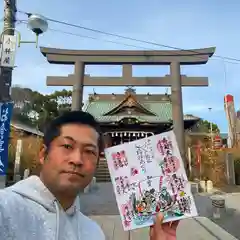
198	229
101	201
101	206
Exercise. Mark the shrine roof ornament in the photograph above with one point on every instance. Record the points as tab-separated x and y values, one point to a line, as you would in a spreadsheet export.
130	102
130	90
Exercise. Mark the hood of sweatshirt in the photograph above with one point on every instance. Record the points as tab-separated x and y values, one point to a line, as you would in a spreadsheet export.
33	189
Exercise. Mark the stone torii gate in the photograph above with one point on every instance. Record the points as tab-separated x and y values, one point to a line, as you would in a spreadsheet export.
127	59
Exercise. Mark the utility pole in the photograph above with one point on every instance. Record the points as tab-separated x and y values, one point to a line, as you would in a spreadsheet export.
10	10
6	72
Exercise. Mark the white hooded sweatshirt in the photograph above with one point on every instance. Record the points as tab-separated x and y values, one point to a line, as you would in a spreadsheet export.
29	211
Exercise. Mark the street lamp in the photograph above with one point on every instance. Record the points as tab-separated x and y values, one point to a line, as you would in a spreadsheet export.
38	24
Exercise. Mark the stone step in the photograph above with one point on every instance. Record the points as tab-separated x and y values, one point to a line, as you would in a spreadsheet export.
103	170
103	179
102	173
102	176
102	166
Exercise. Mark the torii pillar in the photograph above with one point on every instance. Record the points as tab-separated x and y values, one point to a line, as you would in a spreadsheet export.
177	105
128	58
77	92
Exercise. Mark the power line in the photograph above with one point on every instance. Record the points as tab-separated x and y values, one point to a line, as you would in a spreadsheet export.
127	38
89	37
114	42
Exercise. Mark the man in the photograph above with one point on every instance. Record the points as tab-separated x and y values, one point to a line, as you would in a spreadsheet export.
47	207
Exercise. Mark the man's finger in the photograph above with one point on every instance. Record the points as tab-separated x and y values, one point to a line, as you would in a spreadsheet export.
158	221
174	225
151	231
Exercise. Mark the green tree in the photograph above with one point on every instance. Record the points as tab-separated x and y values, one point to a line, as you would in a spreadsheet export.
35	109
47	107
205	126
44	109
22	98
63	100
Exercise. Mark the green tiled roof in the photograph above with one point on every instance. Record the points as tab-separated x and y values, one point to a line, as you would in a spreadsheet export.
162	110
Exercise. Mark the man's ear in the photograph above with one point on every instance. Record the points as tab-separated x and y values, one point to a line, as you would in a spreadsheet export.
42	154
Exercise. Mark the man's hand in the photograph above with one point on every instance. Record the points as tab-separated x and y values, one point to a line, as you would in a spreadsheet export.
163	231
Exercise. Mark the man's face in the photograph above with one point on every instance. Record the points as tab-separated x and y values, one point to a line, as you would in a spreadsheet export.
72	159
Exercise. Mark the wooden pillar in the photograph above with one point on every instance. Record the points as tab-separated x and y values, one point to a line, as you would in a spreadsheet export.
127	72
177	106
77	93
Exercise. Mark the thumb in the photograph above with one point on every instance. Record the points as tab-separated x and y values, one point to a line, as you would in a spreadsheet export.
159	218
158	222
156	229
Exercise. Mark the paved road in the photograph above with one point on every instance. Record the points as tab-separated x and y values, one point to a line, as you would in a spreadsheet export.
101	204
101	201
198	229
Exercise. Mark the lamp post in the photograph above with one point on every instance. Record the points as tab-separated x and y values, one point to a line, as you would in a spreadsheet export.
38	24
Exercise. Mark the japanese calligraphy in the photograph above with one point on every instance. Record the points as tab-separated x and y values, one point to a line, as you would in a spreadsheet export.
127	213
140	157
122	184
177	183
1	166
4	118
164	146
6	109
119	160
134	171
170	165
148	150
185	204
144	154
160	182
8	51
149	181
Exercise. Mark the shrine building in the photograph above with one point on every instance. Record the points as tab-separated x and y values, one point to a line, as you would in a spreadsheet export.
130	116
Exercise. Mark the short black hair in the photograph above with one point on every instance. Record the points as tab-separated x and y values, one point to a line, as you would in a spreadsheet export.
53	129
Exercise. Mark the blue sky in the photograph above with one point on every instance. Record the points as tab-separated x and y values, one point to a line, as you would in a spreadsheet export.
185	24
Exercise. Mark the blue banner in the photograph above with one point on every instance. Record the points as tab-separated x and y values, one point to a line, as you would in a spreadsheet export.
5	119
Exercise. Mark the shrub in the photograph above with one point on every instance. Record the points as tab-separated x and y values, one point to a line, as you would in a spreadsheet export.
29	156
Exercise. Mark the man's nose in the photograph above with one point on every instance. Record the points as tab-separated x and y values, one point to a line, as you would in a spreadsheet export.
77	157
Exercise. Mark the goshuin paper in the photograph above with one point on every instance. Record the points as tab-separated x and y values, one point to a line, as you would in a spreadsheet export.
148	177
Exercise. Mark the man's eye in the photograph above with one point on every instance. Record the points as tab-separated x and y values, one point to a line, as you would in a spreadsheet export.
67	146
88	151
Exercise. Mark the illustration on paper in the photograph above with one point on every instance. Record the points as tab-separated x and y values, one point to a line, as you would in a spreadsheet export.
148	177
